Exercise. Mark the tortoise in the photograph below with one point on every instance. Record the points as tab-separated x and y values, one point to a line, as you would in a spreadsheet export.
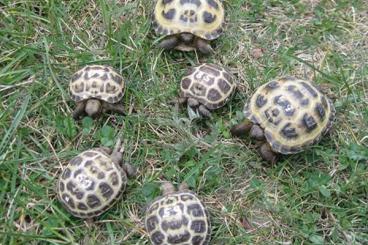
288	115
177	217
206	87
188	24
96	89
93	181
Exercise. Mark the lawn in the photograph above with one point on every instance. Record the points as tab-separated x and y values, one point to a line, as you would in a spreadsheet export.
319	196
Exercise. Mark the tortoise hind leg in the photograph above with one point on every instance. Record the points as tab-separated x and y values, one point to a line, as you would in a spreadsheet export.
267	153
169	42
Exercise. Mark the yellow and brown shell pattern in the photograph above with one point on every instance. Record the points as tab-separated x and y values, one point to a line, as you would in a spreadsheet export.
293	113
210	84
178	218
203	18
96	81
90	184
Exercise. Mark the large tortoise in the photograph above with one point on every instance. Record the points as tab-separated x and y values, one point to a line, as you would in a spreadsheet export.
97	89
288	114
93	181
206	87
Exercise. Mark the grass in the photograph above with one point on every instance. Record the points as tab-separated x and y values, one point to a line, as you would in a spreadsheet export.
317	197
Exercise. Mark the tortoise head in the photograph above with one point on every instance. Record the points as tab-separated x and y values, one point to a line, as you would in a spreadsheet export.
186	37
93	108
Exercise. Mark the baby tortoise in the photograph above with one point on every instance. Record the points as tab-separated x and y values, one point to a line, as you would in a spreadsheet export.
177	217
97	89
188	24
93	181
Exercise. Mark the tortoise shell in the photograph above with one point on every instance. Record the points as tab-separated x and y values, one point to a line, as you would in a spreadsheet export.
202	18
90	184
178	218
293	113
210	84
96	81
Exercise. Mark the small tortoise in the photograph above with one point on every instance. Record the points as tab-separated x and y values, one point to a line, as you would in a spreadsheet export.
188	24
93	181
290	114
96	89
177	218
206	87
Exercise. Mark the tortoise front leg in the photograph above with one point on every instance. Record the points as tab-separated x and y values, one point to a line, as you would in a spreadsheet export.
169	42
79	111
117	108
203	46
267	153
183	187
242	128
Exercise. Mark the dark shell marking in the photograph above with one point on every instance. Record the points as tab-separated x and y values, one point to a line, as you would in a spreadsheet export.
213	95
66	174
293	113
151	223
208	17
178	218
195	210
175	224
211	85
199	226
197	240
169	14
179	238
93	201
157	237
106	190
196	2
98	82
82	206
90	184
